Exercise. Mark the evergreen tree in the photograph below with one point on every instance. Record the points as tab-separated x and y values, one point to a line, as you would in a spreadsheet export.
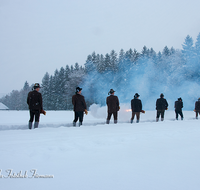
76	67
94	59
145	52
113	61
61	96
197	49
51	103
89	65
196	62
108	66
26	86
166	51
67	72
72	68
15	100
46	91
189	58
101	64
121	61
23	96
172	51
197	45
136	56
188	49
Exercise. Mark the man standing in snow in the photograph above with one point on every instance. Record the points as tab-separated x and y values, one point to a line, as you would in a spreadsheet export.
34	100
79	106
197	108
112	102
136	106
178	108
161	106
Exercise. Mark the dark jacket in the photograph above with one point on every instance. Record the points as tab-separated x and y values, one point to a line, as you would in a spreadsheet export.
161	104
197	105
178	105
34	100
79	103
112	102
136	105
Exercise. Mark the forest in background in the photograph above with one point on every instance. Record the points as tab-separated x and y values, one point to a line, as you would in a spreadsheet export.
174	72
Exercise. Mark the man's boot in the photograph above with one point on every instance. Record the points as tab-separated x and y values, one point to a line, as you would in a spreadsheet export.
107	121
80	123
115	121
137	121
36	124
74	124
131	121
30	125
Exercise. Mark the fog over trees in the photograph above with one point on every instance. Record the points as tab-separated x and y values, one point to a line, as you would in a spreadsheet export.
174	72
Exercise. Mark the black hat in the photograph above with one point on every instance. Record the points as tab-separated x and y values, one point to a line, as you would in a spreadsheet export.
36	85
161	95
136	95
78	89
111	91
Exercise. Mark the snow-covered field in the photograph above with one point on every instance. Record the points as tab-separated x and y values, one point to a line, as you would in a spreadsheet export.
145	156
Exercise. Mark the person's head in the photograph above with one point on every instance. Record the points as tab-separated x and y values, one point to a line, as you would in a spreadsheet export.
36	86
162	95
180	99
136	95
78	90
111	92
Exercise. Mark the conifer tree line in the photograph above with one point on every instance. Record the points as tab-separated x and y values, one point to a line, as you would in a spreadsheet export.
56	90
130	70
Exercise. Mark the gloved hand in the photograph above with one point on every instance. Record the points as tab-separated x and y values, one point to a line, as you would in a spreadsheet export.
142	111
166	109
43	112
86	112
194	110
119	107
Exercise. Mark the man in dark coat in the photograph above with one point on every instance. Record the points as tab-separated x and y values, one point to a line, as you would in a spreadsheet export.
178	108
112	102
34	101
197	108
136	106
79	106
161	106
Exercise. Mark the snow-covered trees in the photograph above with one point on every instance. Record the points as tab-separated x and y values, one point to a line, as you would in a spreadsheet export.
58	89
146	71
16	100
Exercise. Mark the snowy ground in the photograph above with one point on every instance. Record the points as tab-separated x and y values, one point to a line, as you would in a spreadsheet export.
145	156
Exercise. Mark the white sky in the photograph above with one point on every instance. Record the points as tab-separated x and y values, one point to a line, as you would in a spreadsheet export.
39	36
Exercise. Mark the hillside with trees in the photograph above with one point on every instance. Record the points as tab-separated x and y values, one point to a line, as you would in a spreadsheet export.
176	73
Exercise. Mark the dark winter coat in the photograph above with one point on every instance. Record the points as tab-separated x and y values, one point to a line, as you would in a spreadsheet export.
178	105
136	105
112	103
34	100
197	105
79	103
161	104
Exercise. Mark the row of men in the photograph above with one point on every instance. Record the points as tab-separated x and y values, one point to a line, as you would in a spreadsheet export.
112	102
34	101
